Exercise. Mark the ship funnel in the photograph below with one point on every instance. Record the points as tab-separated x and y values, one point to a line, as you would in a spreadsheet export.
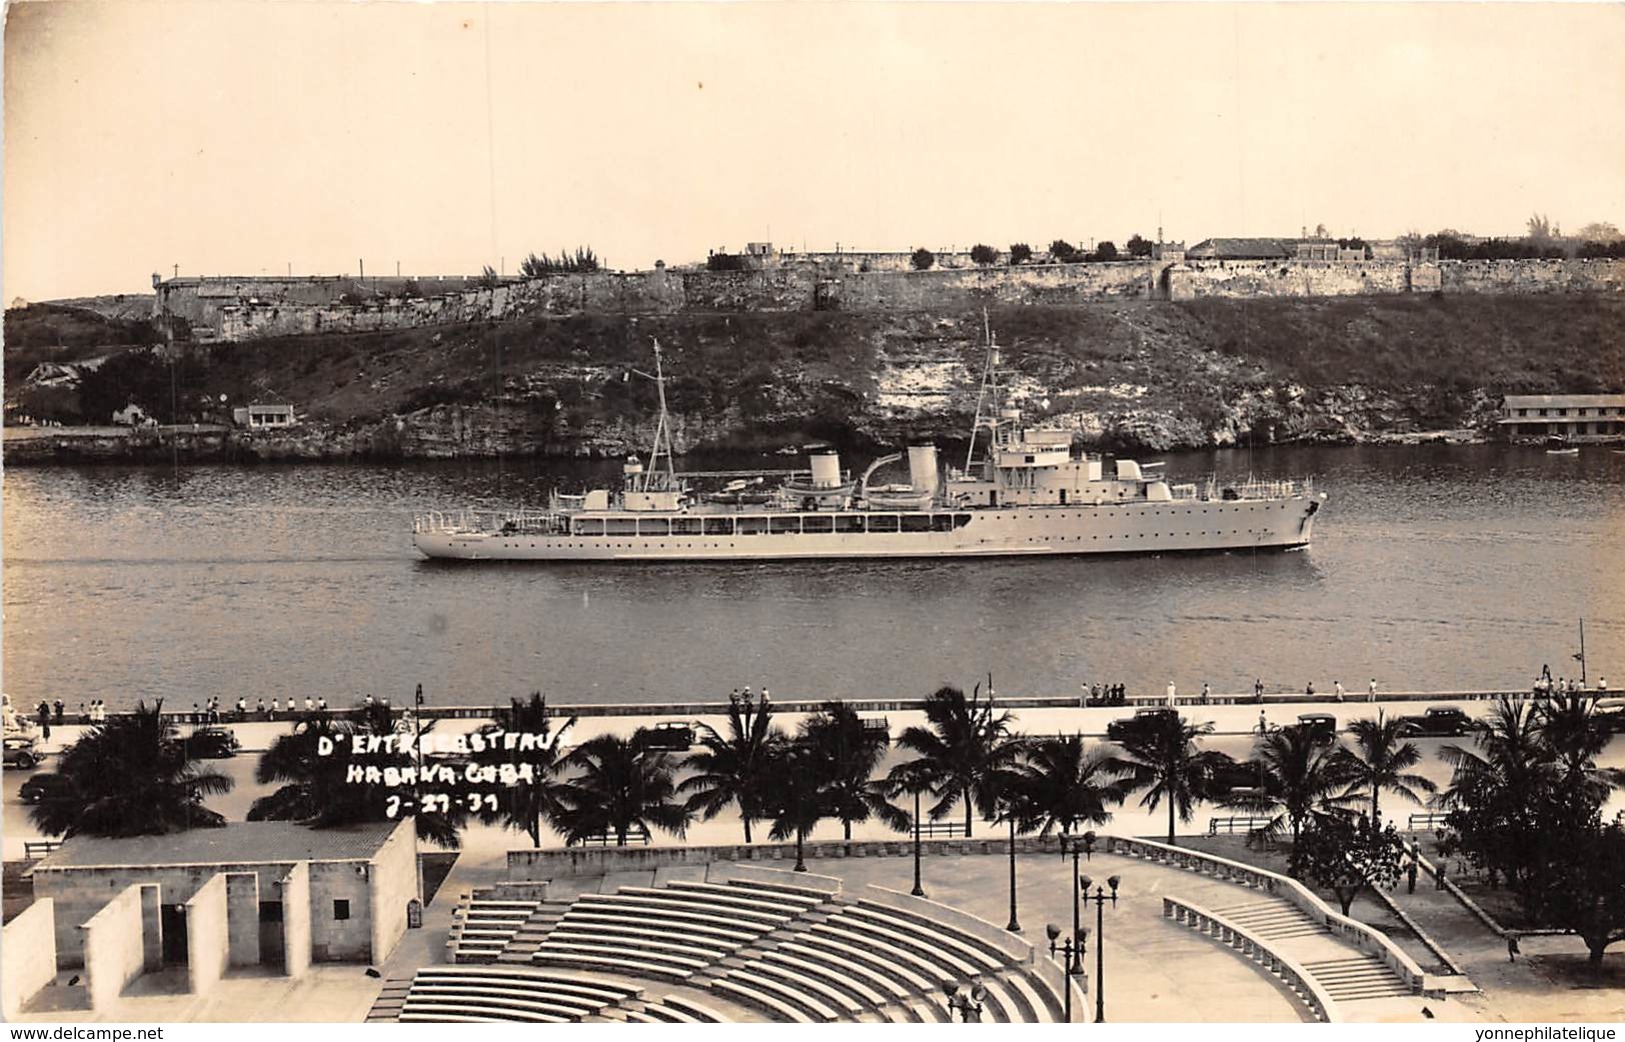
922	468
1128	470
826	470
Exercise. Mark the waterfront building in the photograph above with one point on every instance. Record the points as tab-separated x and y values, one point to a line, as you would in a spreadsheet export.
256	415
1571	417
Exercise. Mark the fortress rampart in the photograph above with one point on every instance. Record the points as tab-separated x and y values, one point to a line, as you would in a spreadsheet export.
233	309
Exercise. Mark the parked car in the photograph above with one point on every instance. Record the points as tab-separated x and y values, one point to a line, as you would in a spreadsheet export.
1118	730
1322	727
1610	714
44	787
1438	722
671	736
1235	776
22	750
212	743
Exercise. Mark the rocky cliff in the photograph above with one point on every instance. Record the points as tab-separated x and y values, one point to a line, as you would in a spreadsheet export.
1147	375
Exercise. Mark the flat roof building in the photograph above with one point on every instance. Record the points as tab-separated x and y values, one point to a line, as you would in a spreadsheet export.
1571	417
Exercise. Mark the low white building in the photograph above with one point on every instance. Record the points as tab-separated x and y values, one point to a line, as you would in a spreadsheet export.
264	416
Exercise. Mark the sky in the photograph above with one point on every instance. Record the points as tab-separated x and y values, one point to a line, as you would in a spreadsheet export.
245	138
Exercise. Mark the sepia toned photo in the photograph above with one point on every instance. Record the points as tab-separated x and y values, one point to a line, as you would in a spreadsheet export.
806	513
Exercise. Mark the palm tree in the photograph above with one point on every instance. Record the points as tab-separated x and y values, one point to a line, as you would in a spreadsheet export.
796	794
1381	760
1567	727
730	769
315	789
962	753
1300	777
623	785
131	776
1066	783
525	804
850	754
1163	758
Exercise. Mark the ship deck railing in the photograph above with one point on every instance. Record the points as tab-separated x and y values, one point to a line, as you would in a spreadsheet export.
475	520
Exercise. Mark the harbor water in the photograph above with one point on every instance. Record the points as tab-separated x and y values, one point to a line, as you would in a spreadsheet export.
1433	567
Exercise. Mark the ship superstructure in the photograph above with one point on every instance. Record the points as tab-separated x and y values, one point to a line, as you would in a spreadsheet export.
1023	491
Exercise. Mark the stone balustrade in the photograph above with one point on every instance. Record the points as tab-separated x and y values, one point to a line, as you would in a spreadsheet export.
1253	947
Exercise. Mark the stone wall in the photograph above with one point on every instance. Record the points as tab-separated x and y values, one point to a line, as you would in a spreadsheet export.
243	917
235	310
333	939
29	962
394	883
208	947
112	947
294	892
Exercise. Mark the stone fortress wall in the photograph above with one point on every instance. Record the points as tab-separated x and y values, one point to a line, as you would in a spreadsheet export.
236	309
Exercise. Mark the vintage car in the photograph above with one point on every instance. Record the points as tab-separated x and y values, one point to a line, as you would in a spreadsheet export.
22	750
672	736
1117	730
44	787
1437	722
212	743
1322	727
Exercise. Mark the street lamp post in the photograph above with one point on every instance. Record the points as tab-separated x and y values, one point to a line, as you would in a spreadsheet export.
1086	845
1074	948
1014	926
918	891
1100	897
968	1006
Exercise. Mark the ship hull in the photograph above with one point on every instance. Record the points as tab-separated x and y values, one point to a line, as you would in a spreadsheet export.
1190	526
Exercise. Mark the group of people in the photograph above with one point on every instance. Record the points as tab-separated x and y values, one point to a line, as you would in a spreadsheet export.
1546	687
1104	694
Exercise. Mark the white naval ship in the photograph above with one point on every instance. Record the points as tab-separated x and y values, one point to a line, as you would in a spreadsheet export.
1022	491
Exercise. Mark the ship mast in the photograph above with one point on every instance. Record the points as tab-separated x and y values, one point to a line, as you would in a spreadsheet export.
662	438
987	397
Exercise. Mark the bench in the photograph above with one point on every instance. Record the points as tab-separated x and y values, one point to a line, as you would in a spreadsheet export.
611	960
751	996
793	978
1230	826
649	941
932	829
919	948
778	899
1426	819
894	956
933	934
777	889
724	896
701	928
762	919
636	834
34	849
843	976
846	970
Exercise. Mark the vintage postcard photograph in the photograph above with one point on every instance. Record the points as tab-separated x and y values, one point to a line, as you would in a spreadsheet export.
815	512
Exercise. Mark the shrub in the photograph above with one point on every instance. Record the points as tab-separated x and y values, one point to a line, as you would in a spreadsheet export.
984	254
922	259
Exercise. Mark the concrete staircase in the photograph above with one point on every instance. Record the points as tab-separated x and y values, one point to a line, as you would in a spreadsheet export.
1272	920
1356	977
521	947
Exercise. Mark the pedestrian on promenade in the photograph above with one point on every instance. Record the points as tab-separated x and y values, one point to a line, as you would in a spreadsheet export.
1258	689
44	715
1207	692
1512	947
1410	877
1263	723
310	704
242	707
321	704
1337	689
1438	876
1602	685
58	707
1309	689
260	707
276	706
1371	690
84	714
1172	693
368	700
